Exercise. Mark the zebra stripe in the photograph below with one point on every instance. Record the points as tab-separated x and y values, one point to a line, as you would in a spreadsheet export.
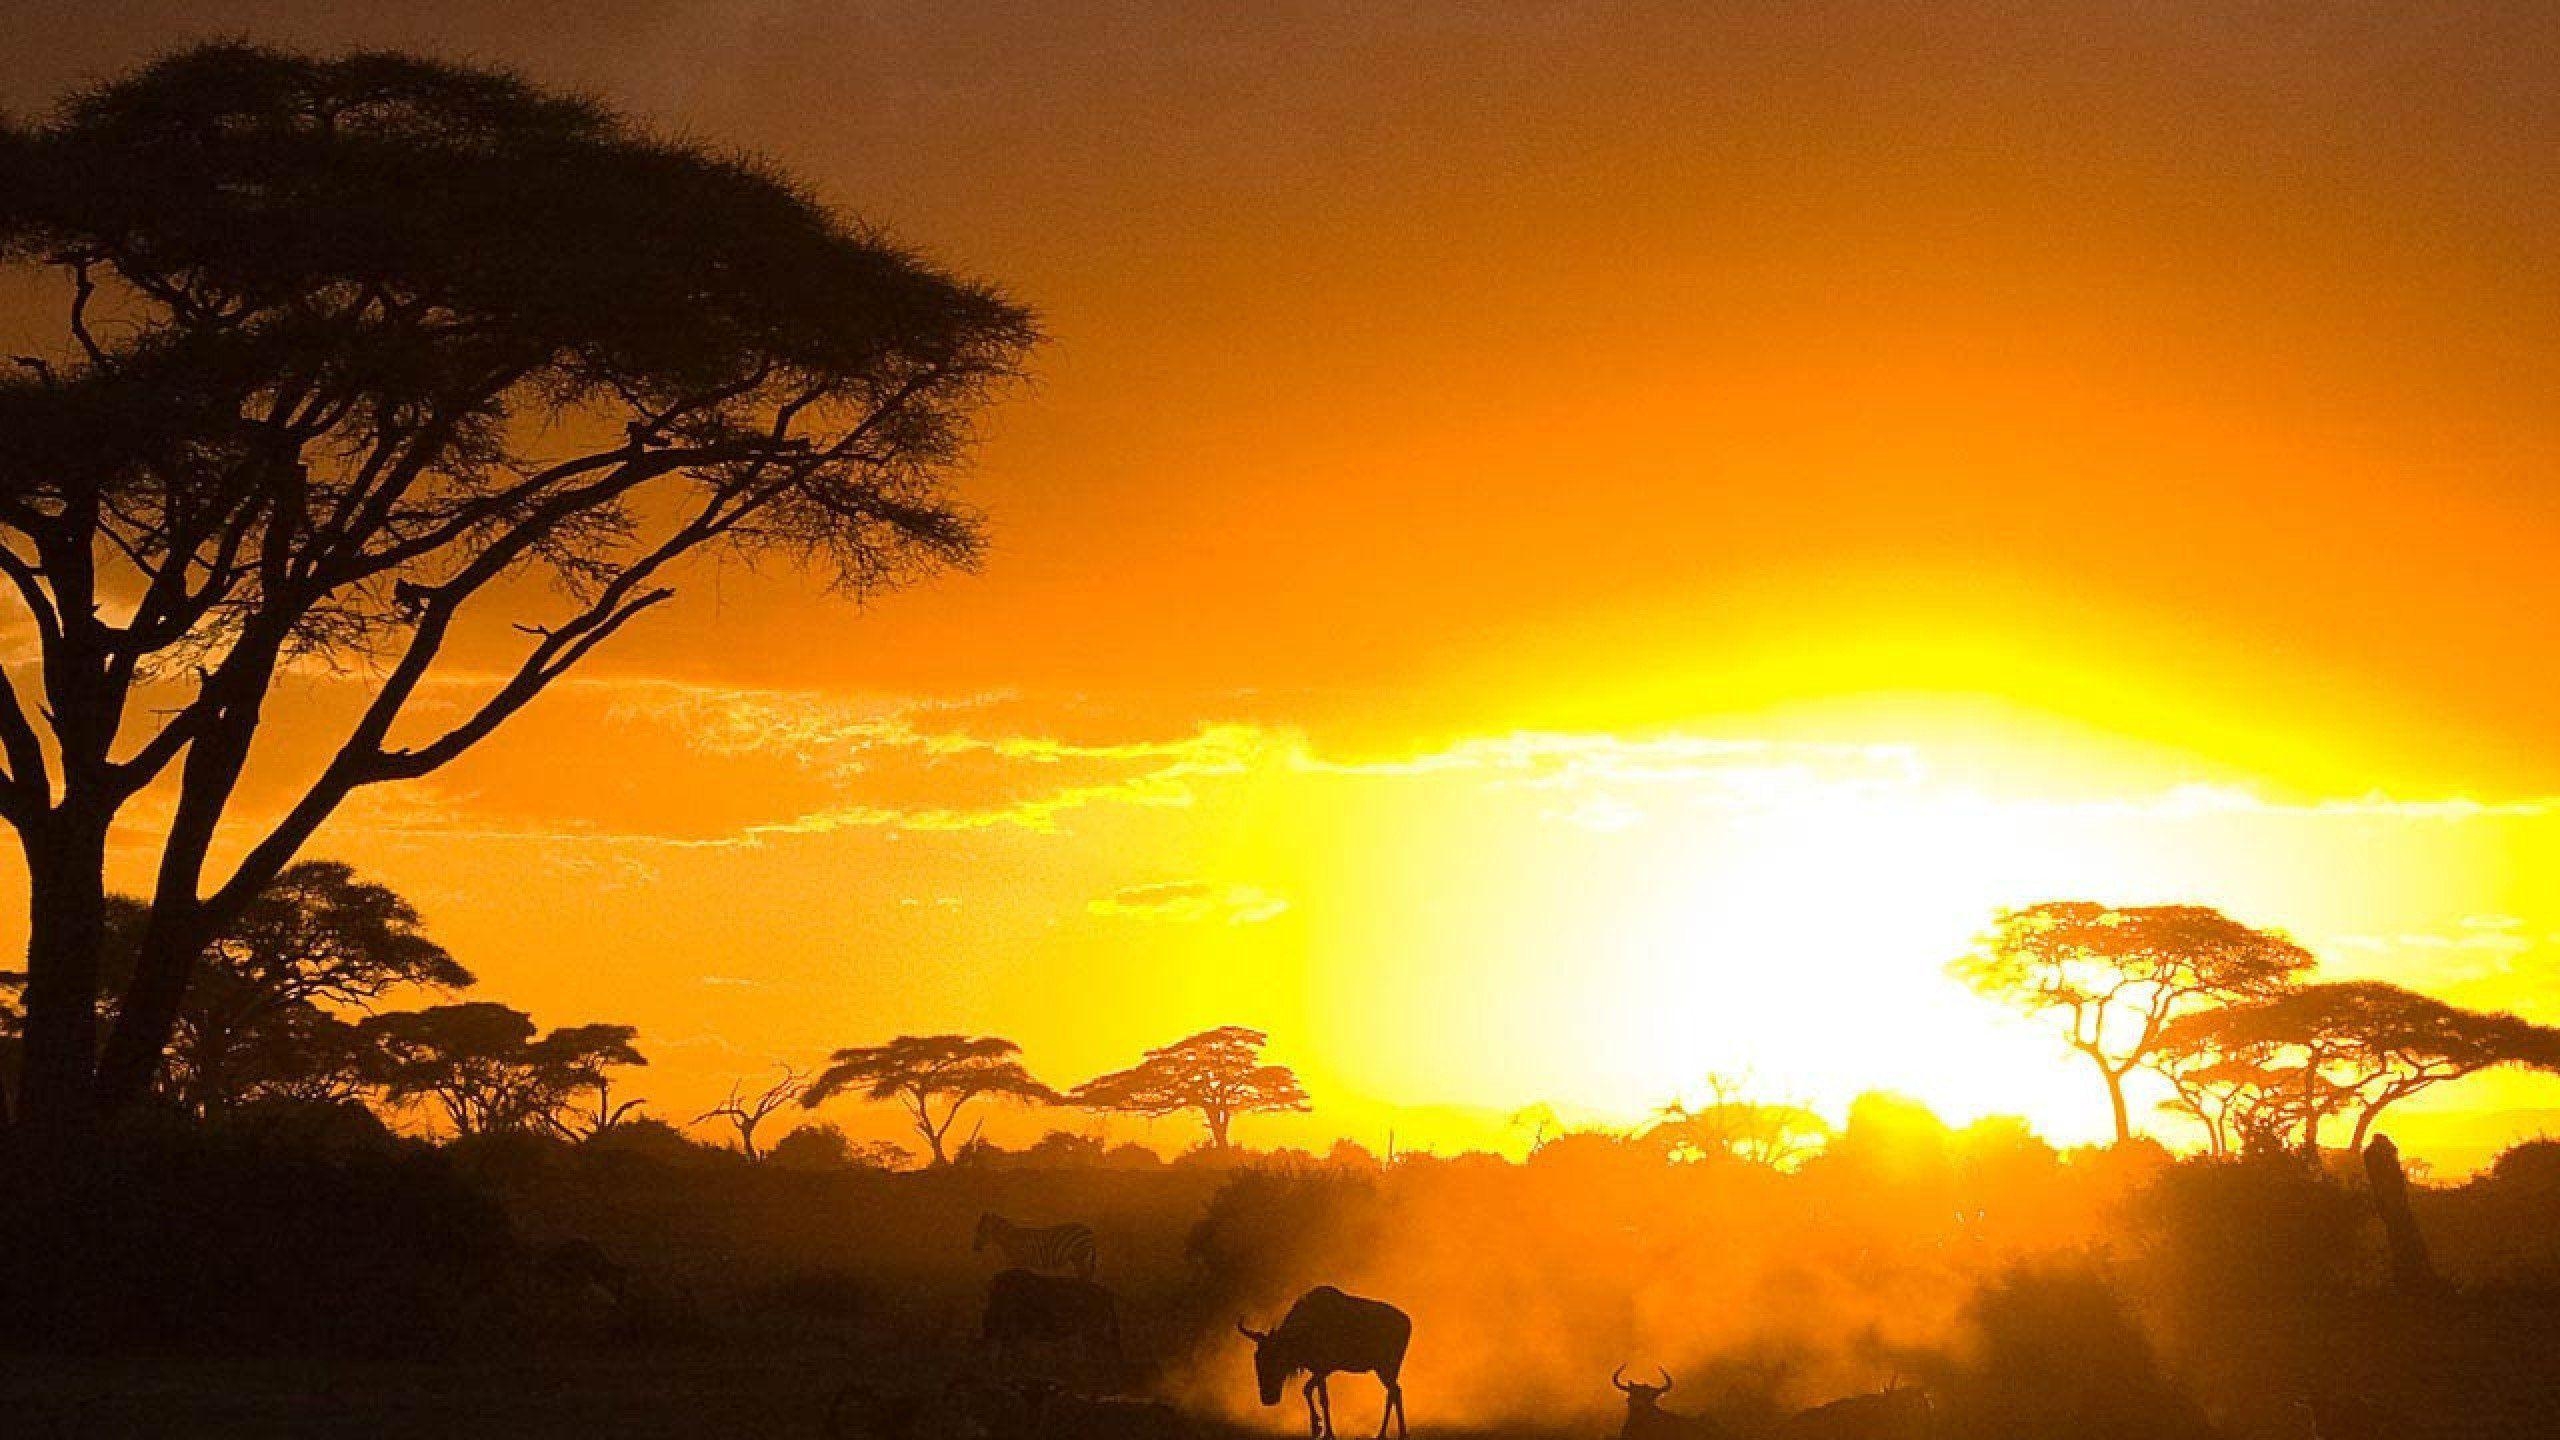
1057	1249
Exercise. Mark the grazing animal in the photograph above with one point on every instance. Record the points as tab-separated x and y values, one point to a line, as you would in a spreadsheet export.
1647	1420
1325	1332
1024	1309
1897	1412
1055	1249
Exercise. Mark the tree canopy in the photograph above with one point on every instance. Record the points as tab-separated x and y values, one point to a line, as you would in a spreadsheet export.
1219	1073
2289	1061
933	1076
356	356
486	1070
2116	976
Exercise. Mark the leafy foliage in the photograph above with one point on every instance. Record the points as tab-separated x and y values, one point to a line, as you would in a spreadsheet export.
934	1076
484	1067
1219	1073
350	345
2278	1066
2116	976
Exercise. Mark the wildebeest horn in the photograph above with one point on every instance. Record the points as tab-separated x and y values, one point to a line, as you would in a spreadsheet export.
1618	1378
1256	1336
1666	1380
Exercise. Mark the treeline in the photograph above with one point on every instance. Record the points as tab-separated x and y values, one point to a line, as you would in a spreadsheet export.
284	1008
294	1004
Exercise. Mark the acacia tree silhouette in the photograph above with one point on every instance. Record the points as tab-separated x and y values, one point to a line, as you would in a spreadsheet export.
2322	1050
1219	1073
350	347
482	1065
923	1072
2115	976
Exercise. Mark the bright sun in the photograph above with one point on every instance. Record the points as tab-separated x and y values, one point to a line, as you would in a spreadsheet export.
1633	914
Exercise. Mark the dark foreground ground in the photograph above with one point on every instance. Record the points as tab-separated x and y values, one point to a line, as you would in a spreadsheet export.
638	1397
406	1291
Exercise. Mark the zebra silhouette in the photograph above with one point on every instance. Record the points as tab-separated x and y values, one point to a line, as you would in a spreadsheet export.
1056	1249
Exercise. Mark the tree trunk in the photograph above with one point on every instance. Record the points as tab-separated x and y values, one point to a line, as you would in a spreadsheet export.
2115	1101
2412	1273
932	1134
1218	1120
148	1015
66	928
2365	1121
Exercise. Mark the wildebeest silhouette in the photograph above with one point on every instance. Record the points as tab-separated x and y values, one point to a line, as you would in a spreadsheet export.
1076	1316
1647	1420
1325	1332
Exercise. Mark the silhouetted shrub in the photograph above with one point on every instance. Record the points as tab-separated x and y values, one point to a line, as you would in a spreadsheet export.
651	1142
2056	1355
1268	1233
2260	1228
2530	1168
825	1147
507	1158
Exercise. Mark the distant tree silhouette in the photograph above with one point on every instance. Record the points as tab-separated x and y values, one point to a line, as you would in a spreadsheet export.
2116	976
1731	1121
746	1112
483	1066
580	1059
1219	1073
2296	1058
358	354
934	1076
257	1017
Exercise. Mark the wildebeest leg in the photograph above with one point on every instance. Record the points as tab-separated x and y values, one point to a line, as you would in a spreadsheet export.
1394	1411
1315	1423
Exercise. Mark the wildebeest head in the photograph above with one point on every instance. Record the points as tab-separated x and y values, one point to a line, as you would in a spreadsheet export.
1641	1396
1271	1364
987	1224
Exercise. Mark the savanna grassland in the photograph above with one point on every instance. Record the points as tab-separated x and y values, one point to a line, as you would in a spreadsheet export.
2098	1293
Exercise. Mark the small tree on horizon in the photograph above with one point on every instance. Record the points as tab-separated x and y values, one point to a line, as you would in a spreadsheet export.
2116	976
934	1076
1734	1120
746	1112
1219	1073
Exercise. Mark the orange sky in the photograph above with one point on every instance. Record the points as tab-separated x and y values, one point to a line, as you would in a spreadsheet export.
1562	546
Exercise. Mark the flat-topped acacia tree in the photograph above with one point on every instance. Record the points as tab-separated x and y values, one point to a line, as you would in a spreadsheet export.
934	1076
2116	976
1219	1073
354	353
